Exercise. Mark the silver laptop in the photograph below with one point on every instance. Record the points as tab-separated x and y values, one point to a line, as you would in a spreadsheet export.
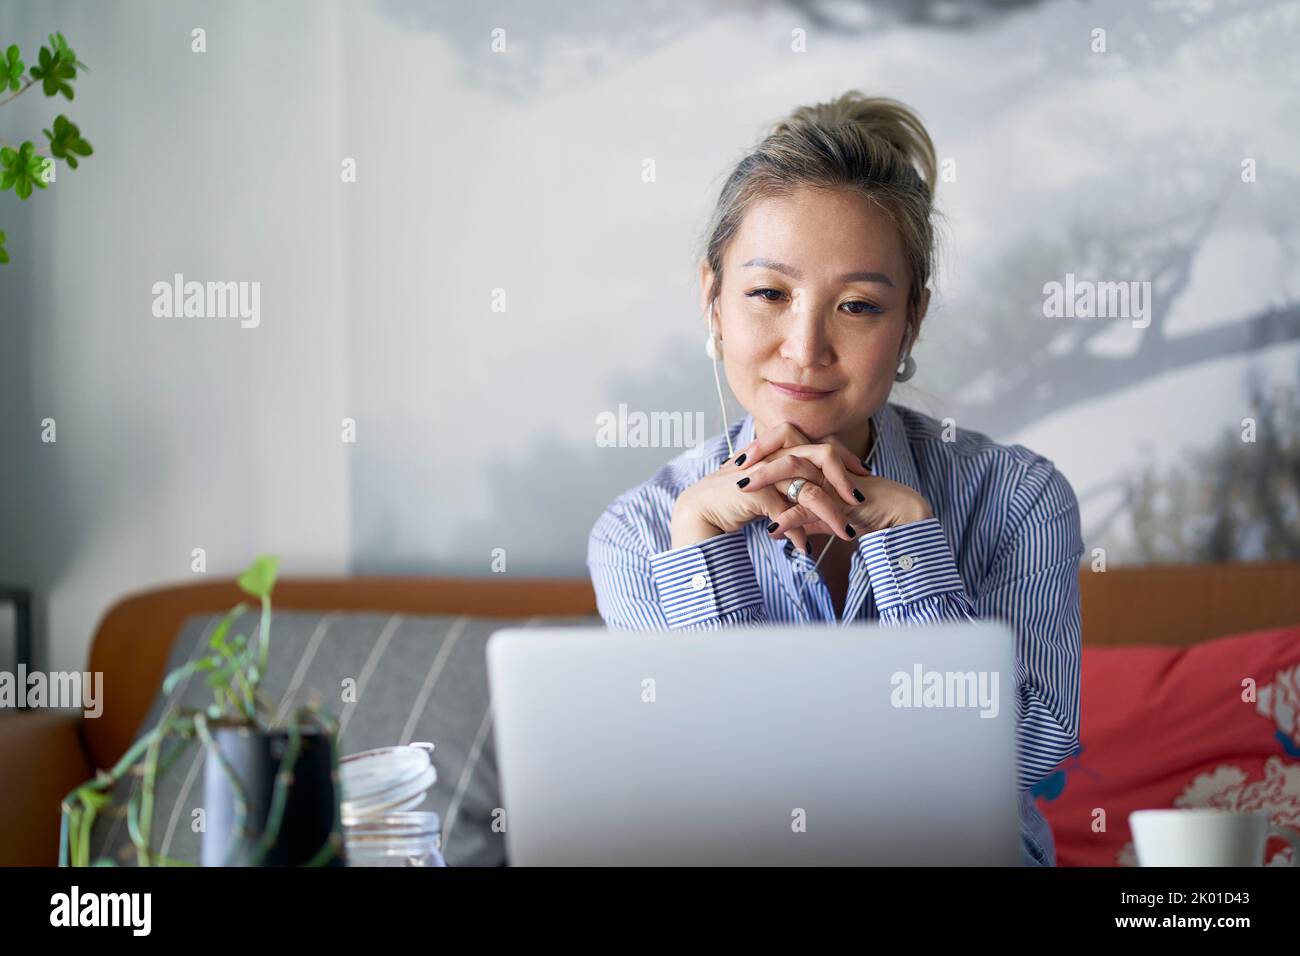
767	745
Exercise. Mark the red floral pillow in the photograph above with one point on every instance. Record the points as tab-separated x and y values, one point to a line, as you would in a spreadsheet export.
1216	724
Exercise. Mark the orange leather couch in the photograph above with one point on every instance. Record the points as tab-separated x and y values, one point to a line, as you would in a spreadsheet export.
44	755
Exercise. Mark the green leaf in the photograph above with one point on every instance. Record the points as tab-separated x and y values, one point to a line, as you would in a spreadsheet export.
220	678
4	256
193	667
58	64
23	170
218	638
11	69
65	141
259	578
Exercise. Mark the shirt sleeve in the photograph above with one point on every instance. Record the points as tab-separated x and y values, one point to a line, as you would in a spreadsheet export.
914	575
704	586
1032	584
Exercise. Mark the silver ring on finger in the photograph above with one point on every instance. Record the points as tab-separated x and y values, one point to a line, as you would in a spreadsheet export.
796	486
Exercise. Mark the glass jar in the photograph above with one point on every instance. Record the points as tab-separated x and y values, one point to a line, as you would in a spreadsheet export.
404	838
381	790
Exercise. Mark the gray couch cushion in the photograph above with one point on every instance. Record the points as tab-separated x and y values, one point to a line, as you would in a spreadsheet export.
416	678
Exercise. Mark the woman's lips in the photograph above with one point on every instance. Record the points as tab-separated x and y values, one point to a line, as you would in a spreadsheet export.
800	394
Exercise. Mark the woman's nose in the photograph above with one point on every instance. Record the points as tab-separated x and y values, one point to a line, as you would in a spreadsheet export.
806	340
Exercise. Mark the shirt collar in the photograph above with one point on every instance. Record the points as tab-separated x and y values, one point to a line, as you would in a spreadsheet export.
893	459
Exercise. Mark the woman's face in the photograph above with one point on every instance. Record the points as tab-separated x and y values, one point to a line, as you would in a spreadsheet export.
814	294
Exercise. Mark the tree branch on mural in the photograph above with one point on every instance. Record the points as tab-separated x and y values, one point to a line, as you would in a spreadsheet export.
1237	500
1050	366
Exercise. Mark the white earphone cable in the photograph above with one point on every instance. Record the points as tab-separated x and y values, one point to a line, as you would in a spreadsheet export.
726	422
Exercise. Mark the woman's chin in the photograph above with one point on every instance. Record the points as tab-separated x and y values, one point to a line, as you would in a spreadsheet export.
809	421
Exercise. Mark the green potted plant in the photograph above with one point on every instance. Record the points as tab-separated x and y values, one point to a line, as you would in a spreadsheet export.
271	792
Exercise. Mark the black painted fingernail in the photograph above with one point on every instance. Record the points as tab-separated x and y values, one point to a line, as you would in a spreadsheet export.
741	460
849	529
725	460
773	526
743	482
857	494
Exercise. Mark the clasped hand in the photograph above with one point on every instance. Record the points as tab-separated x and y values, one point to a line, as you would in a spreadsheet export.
840	496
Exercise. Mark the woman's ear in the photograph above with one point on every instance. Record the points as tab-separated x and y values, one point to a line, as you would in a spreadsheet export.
912	330
921	306
706	285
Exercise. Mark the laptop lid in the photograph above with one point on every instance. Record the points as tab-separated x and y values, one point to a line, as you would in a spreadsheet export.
768	745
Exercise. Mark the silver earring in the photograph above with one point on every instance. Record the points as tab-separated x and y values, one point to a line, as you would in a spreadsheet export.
906	369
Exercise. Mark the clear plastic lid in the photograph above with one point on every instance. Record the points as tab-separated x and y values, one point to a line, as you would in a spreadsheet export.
386	780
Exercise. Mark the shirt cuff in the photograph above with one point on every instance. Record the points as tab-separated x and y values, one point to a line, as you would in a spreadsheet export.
704	581
909	562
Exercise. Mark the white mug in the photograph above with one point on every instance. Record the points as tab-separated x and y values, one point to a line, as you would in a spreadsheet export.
1205	837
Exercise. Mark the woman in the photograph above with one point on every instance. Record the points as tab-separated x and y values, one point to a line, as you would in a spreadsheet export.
814	285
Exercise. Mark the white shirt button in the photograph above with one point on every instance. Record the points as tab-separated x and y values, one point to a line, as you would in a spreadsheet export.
811	577
905	562
698	582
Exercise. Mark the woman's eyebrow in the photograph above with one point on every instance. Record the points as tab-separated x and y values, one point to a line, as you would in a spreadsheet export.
794	273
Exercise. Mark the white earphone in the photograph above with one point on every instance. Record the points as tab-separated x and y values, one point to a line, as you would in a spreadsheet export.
712	347
909	363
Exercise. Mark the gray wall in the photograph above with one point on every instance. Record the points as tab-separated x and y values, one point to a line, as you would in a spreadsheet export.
521	171
174	434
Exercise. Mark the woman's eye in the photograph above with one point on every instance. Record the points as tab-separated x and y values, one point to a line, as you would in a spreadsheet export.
766	298
867	308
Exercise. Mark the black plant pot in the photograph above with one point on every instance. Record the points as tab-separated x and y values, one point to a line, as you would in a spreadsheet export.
309	818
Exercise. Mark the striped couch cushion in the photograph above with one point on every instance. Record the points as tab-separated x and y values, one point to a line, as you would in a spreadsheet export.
416	678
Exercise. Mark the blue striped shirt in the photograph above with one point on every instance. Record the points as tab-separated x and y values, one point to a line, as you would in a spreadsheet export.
1004	543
